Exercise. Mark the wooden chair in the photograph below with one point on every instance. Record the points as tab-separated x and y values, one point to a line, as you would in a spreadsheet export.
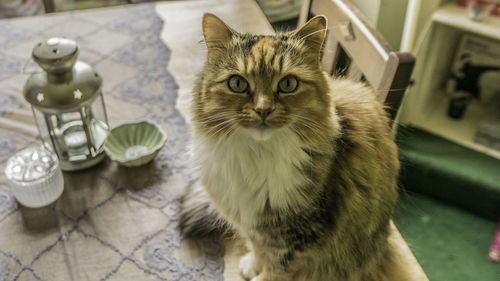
355	49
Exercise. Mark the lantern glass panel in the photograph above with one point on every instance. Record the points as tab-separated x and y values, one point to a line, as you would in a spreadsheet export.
99	127
76	135
68	136
42	128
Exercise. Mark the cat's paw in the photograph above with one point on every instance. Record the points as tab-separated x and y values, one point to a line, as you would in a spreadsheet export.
247	267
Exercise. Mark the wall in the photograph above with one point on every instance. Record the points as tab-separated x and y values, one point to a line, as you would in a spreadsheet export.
391	20
369	8
387	16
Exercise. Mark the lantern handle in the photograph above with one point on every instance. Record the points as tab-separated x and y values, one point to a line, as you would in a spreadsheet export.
25	64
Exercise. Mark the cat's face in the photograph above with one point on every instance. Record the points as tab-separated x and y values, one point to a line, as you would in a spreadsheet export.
260	85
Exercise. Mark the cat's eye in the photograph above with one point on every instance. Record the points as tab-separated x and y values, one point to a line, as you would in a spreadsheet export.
288	84
237	84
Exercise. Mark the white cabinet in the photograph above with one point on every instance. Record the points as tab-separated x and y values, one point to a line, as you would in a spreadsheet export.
426	103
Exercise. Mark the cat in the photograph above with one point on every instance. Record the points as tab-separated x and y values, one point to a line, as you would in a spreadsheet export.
299	164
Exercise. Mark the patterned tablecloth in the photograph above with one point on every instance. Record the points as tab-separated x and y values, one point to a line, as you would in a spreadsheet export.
111	223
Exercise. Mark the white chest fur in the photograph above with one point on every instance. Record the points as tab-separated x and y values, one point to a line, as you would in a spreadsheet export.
242	174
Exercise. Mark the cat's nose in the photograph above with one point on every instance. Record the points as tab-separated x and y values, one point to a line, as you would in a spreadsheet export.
264	106
263	111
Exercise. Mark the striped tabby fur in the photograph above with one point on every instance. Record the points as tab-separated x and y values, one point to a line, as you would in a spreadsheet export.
308	178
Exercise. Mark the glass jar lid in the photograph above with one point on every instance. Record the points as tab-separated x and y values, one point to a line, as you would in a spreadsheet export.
31	165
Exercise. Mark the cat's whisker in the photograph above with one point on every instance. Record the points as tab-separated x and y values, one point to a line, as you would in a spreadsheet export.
310	122
297	43
230	131
213	118
221	124
219	115
312	33
212	121
223	121
321	30
393	90
215	130
308	126
314	130
226	130
302	117
298	132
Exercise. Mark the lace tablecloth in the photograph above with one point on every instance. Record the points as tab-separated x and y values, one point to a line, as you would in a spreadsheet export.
111	223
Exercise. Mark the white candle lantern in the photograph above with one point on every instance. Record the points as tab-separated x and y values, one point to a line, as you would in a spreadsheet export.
67	103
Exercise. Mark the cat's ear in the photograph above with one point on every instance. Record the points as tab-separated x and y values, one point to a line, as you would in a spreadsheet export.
216	32
313	32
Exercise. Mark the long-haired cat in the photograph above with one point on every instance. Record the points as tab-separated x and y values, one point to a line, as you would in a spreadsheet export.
299	164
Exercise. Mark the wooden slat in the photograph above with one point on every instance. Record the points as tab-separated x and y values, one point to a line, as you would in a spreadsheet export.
304	12
399	84
370	54
387	76
330	52
354	73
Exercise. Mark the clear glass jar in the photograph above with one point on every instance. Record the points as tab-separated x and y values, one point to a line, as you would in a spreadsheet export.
35	177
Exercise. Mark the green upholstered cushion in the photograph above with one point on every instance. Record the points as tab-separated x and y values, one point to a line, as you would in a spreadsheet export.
450	172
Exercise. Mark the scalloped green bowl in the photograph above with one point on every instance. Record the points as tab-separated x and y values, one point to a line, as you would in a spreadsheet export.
134	144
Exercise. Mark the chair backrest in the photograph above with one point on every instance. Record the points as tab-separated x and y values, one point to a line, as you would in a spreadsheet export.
355	49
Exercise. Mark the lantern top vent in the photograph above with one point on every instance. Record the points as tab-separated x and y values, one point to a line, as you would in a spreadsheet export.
56	55
62	83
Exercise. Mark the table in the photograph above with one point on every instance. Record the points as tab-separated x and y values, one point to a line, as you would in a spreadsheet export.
116	223
111	223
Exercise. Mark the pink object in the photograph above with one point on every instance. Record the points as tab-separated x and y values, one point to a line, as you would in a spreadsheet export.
494	254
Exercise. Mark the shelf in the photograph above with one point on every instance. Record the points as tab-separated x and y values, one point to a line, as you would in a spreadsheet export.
456	16
463	131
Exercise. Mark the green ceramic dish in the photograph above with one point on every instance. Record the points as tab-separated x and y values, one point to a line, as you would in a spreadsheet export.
134	144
